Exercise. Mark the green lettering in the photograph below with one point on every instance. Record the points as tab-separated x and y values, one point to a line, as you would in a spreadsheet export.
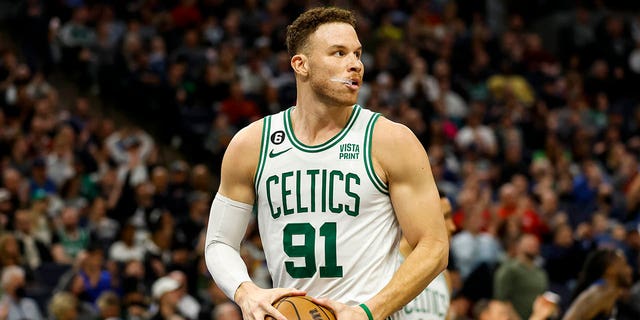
286	192
299	206
408	309
274	179
313	174
332	175
442	304
324	190
356	198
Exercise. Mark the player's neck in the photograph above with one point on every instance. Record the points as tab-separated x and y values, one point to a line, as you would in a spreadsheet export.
315	123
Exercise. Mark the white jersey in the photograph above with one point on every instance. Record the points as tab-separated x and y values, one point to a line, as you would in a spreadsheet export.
431	304
325	218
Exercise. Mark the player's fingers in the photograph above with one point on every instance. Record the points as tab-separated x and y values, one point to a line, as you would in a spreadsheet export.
333	305
287	292
271	311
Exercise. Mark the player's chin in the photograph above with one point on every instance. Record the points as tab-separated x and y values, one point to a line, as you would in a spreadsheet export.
341	98
349	100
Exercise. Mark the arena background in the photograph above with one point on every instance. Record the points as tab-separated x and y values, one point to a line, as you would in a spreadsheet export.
115	114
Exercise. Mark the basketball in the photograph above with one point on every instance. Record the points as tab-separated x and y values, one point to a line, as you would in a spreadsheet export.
302	308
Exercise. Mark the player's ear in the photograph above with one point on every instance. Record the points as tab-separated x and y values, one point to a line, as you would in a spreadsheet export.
299	63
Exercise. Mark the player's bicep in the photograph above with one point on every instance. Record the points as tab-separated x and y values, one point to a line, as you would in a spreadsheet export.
412	189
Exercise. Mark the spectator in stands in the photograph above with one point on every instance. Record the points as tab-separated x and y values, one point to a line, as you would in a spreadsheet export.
136	307
218	138
160	181
201	178
72	283
103	229
39	216
63	306
499	310
516	205
166	296
70	238
254	76
563	258
108	306
187	304
227	311
213	297
193	223
14	184
507	83
34	250
472	247
13	296
40	178
126	249
19	158
494	310
418	84
519	280
10	251
59	161
239	110
179	187
95	277
158	247
476	136
131	148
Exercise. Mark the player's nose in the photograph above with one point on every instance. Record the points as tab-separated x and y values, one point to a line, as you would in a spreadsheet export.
355	64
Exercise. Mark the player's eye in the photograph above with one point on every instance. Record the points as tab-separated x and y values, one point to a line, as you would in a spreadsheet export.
339	53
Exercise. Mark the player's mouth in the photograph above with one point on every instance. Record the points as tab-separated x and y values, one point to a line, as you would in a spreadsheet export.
353	83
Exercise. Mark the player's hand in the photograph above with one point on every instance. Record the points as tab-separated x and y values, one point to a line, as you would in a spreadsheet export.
343	311
256	303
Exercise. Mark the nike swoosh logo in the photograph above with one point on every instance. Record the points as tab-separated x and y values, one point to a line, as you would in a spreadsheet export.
273	154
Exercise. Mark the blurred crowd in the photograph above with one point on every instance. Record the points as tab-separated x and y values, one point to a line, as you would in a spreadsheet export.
528	110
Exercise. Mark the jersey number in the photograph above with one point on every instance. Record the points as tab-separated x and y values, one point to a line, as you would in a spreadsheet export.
307	250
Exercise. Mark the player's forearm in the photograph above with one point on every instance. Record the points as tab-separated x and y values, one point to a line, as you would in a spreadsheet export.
425	262
228	222
226	267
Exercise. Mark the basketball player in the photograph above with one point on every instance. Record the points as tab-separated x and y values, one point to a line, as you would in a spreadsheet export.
604	279
433	302
334	186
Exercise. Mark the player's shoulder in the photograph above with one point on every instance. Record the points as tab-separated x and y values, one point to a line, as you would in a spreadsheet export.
248	137
388	133
395	148
243	150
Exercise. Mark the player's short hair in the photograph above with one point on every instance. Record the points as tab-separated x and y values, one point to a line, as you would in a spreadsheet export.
307	23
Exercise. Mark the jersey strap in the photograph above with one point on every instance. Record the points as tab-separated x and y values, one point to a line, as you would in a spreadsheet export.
264	148
368	161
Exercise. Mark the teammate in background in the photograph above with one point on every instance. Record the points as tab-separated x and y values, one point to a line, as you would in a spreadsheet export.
334	184
433	302
604	278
